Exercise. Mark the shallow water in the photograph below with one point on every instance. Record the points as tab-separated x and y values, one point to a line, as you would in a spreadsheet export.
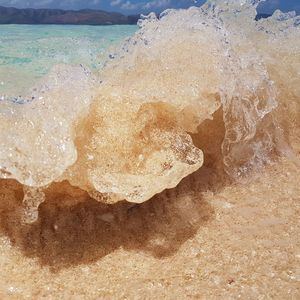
28	52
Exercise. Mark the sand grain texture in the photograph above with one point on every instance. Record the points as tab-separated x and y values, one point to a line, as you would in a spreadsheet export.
240	241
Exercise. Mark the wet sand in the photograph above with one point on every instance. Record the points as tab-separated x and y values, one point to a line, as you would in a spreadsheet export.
202	241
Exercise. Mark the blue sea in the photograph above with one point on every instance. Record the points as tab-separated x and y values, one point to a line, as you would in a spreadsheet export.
28	52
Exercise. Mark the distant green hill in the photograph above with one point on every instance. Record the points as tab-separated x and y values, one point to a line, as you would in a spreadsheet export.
10	15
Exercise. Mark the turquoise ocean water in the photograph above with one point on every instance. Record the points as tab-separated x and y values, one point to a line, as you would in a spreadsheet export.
27	53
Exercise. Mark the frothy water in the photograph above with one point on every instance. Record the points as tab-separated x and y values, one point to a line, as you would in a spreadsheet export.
136	124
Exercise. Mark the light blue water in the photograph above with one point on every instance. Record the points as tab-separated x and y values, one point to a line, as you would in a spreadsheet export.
28	52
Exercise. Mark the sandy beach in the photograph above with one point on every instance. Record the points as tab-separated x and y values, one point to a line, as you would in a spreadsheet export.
232	241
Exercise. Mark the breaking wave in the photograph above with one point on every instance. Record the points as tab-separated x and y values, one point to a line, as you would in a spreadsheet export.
139	125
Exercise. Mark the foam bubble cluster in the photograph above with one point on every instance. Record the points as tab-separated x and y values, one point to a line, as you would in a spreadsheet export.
125	133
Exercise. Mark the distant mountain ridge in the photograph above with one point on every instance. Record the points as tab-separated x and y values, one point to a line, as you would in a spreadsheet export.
10	15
